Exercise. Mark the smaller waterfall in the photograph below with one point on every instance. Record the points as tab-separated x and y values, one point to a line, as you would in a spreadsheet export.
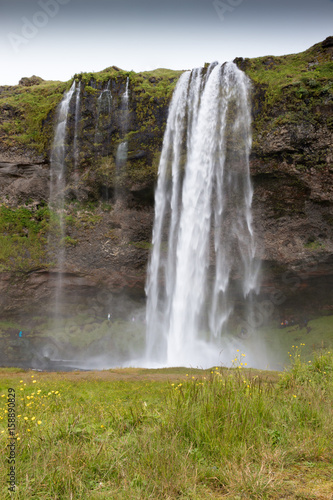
76	150
122	150
126	94
57	188
103	120
58	147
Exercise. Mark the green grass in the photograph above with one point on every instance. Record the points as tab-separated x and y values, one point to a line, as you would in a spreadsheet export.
145	245
303	74
172	434
82	331
23	233
289	90
31	108
28	112
314	245
280	341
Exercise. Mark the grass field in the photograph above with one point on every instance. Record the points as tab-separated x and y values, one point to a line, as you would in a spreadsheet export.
172	433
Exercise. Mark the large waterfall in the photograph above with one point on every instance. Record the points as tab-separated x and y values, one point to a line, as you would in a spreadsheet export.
202	274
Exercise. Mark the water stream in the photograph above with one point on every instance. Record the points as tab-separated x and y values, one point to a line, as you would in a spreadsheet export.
122	150
202	274
57	191
76	150
103	120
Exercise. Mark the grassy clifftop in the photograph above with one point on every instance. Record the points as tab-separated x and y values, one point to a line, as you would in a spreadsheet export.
28	112
305	70
286	88
25	113
292	89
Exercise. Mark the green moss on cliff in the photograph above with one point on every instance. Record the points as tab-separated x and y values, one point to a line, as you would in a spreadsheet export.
157	83
290	91
27	115
23	238
302	73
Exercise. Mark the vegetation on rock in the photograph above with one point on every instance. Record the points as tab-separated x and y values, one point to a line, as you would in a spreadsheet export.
292	93
23	233
173	433
27	116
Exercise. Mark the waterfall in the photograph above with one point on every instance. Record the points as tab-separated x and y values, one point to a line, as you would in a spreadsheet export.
108	96
122	150
58	150
57	188
103	119
202	273
121	156
77	120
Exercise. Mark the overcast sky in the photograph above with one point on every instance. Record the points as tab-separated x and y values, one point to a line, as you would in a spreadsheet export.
55	39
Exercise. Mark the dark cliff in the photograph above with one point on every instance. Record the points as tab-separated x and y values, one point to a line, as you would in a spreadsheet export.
107	241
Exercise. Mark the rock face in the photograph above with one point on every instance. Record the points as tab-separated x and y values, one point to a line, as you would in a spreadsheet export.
33	80
21	182
292	163
109	212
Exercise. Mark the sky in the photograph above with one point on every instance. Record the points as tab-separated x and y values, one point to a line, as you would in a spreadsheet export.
55	39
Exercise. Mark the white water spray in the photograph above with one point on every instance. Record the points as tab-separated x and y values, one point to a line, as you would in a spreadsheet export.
103	119
57	188
76	150
122	150
202	273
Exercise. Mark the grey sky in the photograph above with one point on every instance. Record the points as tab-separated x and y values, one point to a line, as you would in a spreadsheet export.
56	38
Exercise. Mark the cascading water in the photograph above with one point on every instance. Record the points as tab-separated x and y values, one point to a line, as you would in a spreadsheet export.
108	96
122	150
57	188
104	105
202	273
76	128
